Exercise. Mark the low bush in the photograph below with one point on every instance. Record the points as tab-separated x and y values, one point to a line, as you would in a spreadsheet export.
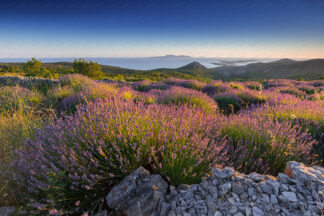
276	98
73	162
182	96
317	83
308	115
146	98
236	85
274	83
173	81
314	97
76	81
191	84
292	91
250	98
307	89
142	86
228	102
254	85
13	98
90	92
215	87
263	145
159	86
233	101
14	129
145	86
56	95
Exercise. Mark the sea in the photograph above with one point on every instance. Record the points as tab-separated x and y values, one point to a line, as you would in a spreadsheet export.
149	63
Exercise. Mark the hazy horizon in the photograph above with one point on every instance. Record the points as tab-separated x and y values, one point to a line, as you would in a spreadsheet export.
153	62
161	56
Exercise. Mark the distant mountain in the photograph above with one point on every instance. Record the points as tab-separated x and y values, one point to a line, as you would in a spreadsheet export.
284	68
173	56
193	66
283	61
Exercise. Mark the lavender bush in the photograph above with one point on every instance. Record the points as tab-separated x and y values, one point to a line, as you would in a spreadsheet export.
263	145
307	89
254	85
235	100
276	98
90	92
73	161
308	115
183	96
56	95
228	102
314	97
293	91
142	86
236	85
273	83
251	97
215	87
191	84
145	86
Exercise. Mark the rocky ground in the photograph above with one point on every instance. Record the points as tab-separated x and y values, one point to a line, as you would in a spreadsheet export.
27	81
298	191
36	82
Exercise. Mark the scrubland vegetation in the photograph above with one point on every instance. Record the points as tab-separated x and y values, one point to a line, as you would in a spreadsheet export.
35	68
62	150
297	70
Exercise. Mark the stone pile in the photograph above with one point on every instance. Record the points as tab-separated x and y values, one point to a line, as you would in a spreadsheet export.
36	82
298	191
27	82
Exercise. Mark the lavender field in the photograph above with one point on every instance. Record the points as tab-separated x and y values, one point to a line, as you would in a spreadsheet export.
63	148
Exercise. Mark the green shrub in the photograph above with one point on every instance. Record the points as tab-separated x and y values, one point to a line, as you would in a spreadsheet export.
90	92
14	129
236	85
76	81
254	86
265	146
228	102
307	89
142	86
183	96
292	91
13	98
56	95
251	98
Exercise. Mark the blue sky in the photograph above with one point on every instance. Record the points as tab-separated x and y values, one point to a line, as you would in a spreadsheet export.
231	28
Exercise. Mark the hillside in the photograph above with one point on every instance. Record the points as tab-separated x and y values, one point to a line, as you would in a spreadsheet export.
284	68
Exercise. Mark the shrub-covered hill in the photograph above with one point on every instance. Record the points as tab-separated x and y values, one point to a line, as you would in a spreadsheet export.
285	68
282	69
62	150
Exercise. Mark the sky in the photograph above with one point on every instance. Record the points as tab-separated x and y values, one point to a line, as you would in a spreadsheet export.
141	28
